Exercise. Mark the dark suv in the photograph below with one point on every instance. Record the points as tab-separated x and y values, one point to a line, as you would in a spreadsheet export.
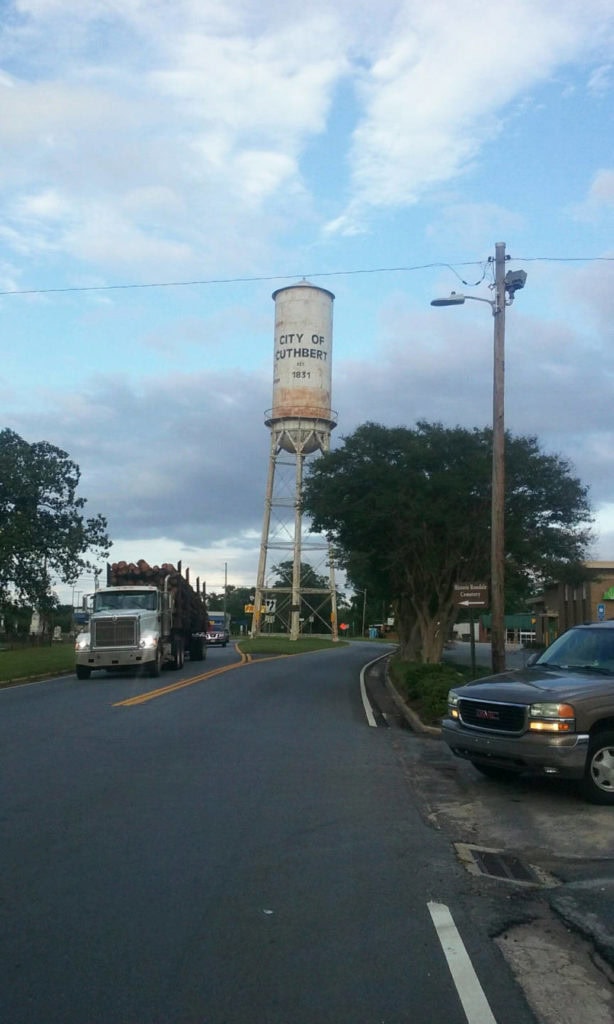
555	717
217	636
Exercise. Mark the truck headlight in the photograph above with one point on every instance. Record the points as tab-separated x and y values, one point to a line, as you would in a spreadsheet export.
83	642
551	717
453	705
148	641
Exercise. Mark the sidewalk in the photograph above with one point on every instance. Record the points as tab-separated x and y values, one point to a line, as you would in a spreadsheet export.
585	906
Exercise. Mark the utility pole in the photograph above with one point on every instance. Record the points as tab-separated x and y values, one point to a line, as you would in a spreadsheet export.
506	286
497	529
224	600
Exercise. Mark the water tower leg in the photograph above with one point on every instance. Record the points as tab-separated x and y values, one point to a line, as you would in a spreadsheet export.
295	621
264	543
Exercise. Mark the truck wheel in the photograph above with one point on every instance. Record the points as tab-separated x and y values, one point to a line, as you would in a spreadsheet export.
178	652
598	783
197	649
153	669
82	672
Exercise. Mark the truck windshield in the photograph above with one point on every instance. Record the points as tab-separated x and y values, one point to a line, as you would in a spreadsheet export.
124	601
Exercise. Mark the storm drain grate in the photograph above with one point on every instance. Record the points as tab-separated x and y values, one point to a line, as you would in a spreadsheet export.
505	866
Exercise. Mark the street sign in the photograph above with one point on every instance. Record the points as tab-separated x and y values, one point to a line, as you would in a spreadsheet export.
269	606
471	595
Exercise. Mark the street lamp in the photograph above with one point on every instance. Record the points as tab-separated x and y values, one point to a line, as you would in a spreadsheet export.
505	285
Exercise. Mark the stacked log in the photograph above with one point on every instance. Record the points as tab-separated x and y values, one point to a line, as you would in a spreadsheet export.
189	606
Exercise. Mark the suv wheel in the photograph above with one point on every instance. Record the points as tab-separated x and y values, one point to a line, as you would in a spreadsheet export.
599	773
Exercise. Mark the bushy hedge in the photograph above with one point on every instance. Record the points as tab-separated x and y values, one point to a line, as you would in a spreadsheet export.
425	687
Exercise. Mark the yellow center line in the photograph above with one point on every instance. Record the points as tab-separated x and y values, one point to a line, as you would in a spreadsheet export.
142	698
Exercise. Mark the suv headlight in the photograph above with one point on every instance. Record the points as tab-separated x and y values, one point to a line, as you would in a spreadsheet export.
453	703
83	642
551	717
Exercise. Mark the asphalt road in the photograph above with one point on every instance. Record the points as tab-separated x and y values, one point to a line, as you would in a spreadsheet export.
244	849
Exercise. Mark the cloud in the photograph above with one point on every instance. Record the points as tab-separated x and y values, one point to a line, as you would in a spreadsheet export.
600	81
153	457
440	88
141	117
469	223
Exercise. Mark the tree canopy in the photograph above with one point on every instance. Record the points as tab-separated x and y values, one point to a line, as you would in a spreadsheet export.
409	508
43	531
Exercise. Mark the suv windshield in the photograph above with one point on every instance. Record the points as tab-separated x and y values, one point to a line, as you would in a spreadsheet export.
582	648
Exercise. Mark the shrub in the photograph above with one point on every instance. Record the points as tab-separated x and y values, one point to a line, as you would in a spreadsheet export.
425	687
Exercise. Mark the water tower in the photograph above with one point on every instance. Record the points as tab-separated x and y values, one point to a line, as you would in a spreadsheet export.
300	422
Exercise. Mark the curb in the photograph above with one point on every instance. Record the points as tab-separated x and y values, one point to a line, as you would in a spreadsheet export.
413	720
6	683
580	907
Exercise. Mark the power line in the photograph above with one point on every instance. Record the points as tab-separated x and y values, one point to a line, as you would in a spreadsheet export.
294	277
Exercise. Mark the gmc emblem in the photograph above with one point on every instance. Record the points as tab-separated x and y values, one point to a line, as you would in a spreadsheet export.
492	716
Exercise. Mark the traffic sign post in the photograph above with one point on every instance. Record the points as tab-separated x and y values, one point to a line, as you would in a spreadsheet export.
470	596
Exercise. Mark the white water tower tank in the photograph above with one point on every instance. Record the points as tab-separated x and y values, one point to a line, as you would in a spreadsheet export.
303	356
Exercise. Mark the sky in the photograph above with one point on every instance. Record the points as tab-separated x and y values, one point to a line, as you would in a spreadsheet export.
165	165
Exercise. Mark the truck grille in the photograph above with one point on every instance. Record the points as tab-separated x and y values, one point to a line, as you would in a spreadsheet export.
494	716
120	632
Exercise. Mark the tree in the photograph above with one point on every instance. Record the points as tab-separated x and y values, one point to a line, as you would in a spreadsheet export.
43	531
236	599
411	509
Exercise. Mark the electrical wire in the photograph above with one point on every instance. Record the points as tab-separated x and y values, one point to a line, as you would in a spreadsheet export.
319	274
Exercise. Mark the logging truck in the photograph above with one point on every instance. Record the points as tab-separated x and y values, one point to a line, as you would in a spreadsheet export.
146	617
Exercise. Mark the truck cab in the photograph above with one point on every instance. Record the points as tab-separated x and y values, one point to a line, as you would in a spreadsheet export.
126	629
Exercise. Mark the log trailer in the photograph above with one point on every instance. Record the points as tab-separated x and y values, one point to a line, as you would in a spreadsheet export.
146	617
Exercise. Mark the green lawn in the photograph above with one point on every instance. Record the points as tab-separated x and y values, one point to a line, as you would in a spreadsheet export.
51	659
22	662
280	645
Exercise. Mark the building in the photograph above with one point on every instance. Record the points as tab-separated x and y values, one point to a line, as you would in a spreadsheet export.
568	604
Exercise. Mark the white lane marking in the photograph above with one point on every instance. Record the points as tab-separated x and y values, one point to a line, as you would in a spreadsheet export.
471	994
365	700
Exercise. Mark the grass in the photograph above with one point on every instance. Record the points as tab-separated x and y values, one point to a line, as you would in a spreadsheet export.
23	662
281	645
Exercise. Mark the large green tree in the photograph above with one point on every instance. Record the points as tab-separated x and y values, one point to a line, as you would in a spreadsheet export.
410	509
43	531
